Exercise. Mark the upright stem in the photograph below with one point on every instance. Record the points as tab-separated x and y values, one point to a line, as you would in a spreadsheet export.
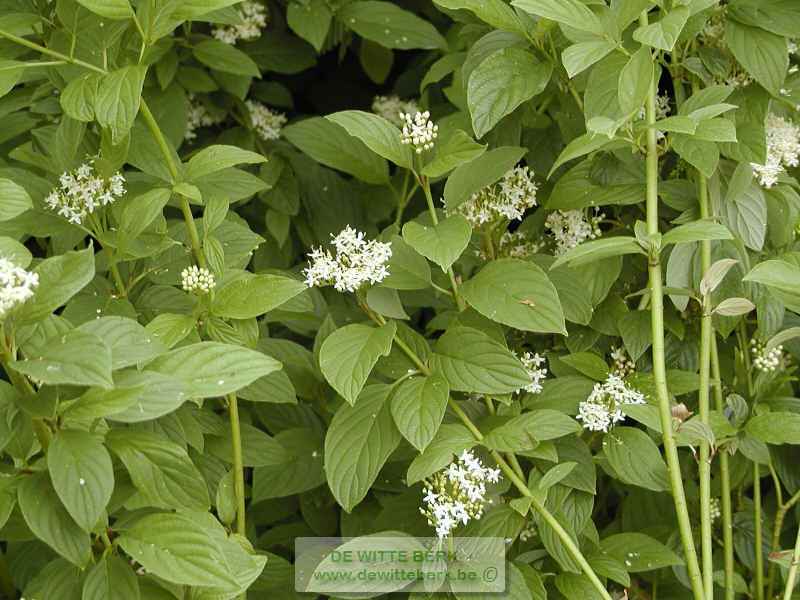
706	327
792	576
518	482
780	515
759	546
659	363
725	480
238	466
426	186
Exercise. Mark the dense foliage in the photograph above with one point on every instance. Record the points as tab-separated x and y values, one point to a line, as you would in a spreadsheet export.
272	269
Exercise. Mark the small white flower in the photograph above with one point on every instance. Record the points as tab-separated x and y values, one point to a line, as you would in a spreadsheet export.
623	365
766	361
516	244
457	494
419	131
783	150
81	192
16	286
198	280
509	198
357	261
715	511
267	123
572	227
533	365
254	18
392	108
198	116
605	405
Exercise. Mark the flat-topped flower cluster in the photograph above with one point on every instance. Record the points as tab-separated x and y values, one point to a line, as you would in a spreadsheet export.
81	192
605	405
17	286
357	261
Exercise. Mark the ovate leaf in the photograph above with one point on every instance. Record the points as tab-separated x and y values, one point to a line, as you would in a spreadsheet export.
14	200
389	25
635	458
418	406
117	101
442	243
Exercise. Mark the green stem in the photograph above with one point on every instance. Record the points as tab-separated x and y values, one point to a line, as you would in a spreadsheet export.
238	466
518	482
759	546
792	576
780	515
725	481
659	361
47	51
426	187
706	327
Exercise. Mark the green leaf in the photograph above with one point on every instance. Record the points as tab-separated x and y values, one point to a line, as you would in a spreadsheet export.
11	72
636	332
160	469
479	173
215	158
733	307
110	9
251	296
377	133
664	33
82	475
14	200
408	270
635	459
569	12
75	358
329	144
587	363
639	552
778	16
775	428
130	343
112	578
502	82
579	57
12	250
496	13
745	214
580	146
78	98
311	21
595	250
390	26
516	293
226	58
49	520
418	407
703	229
556	474
156	395
191	9
300	470
442	243
359	440
763	54
471	361
117	101
159	542
211	369
700	154
635	81
451	440
348	355
60	278
526	431
457	149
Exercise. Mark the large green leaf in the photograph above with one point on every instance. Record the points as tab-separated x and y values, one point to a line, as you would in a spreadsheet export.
763	54
378	134
299	469
442	243
250	296
595	250
348	355
130	342
117	101
112	578
359	440
160	469
60	278
471	361
82	475
503	81
496	13
75	358
14	200
215	158
450	441
516	293
476	174
639	552
569	12
226	58
775	428
49	520
635	81
110	9
635	458
390	26
526	431
418	407
665	32
211	369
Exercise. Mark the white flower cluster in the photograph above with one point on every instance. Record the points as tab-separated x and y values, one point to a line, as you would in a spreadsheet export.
196	117
509	198
254	18
783	150
528	532
765	360
197	280
458	494
418	130
662	108
572	227
515	244
533	365
604	406
623	365
82	192
16	286
266	122
357	262
392	108
715	511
